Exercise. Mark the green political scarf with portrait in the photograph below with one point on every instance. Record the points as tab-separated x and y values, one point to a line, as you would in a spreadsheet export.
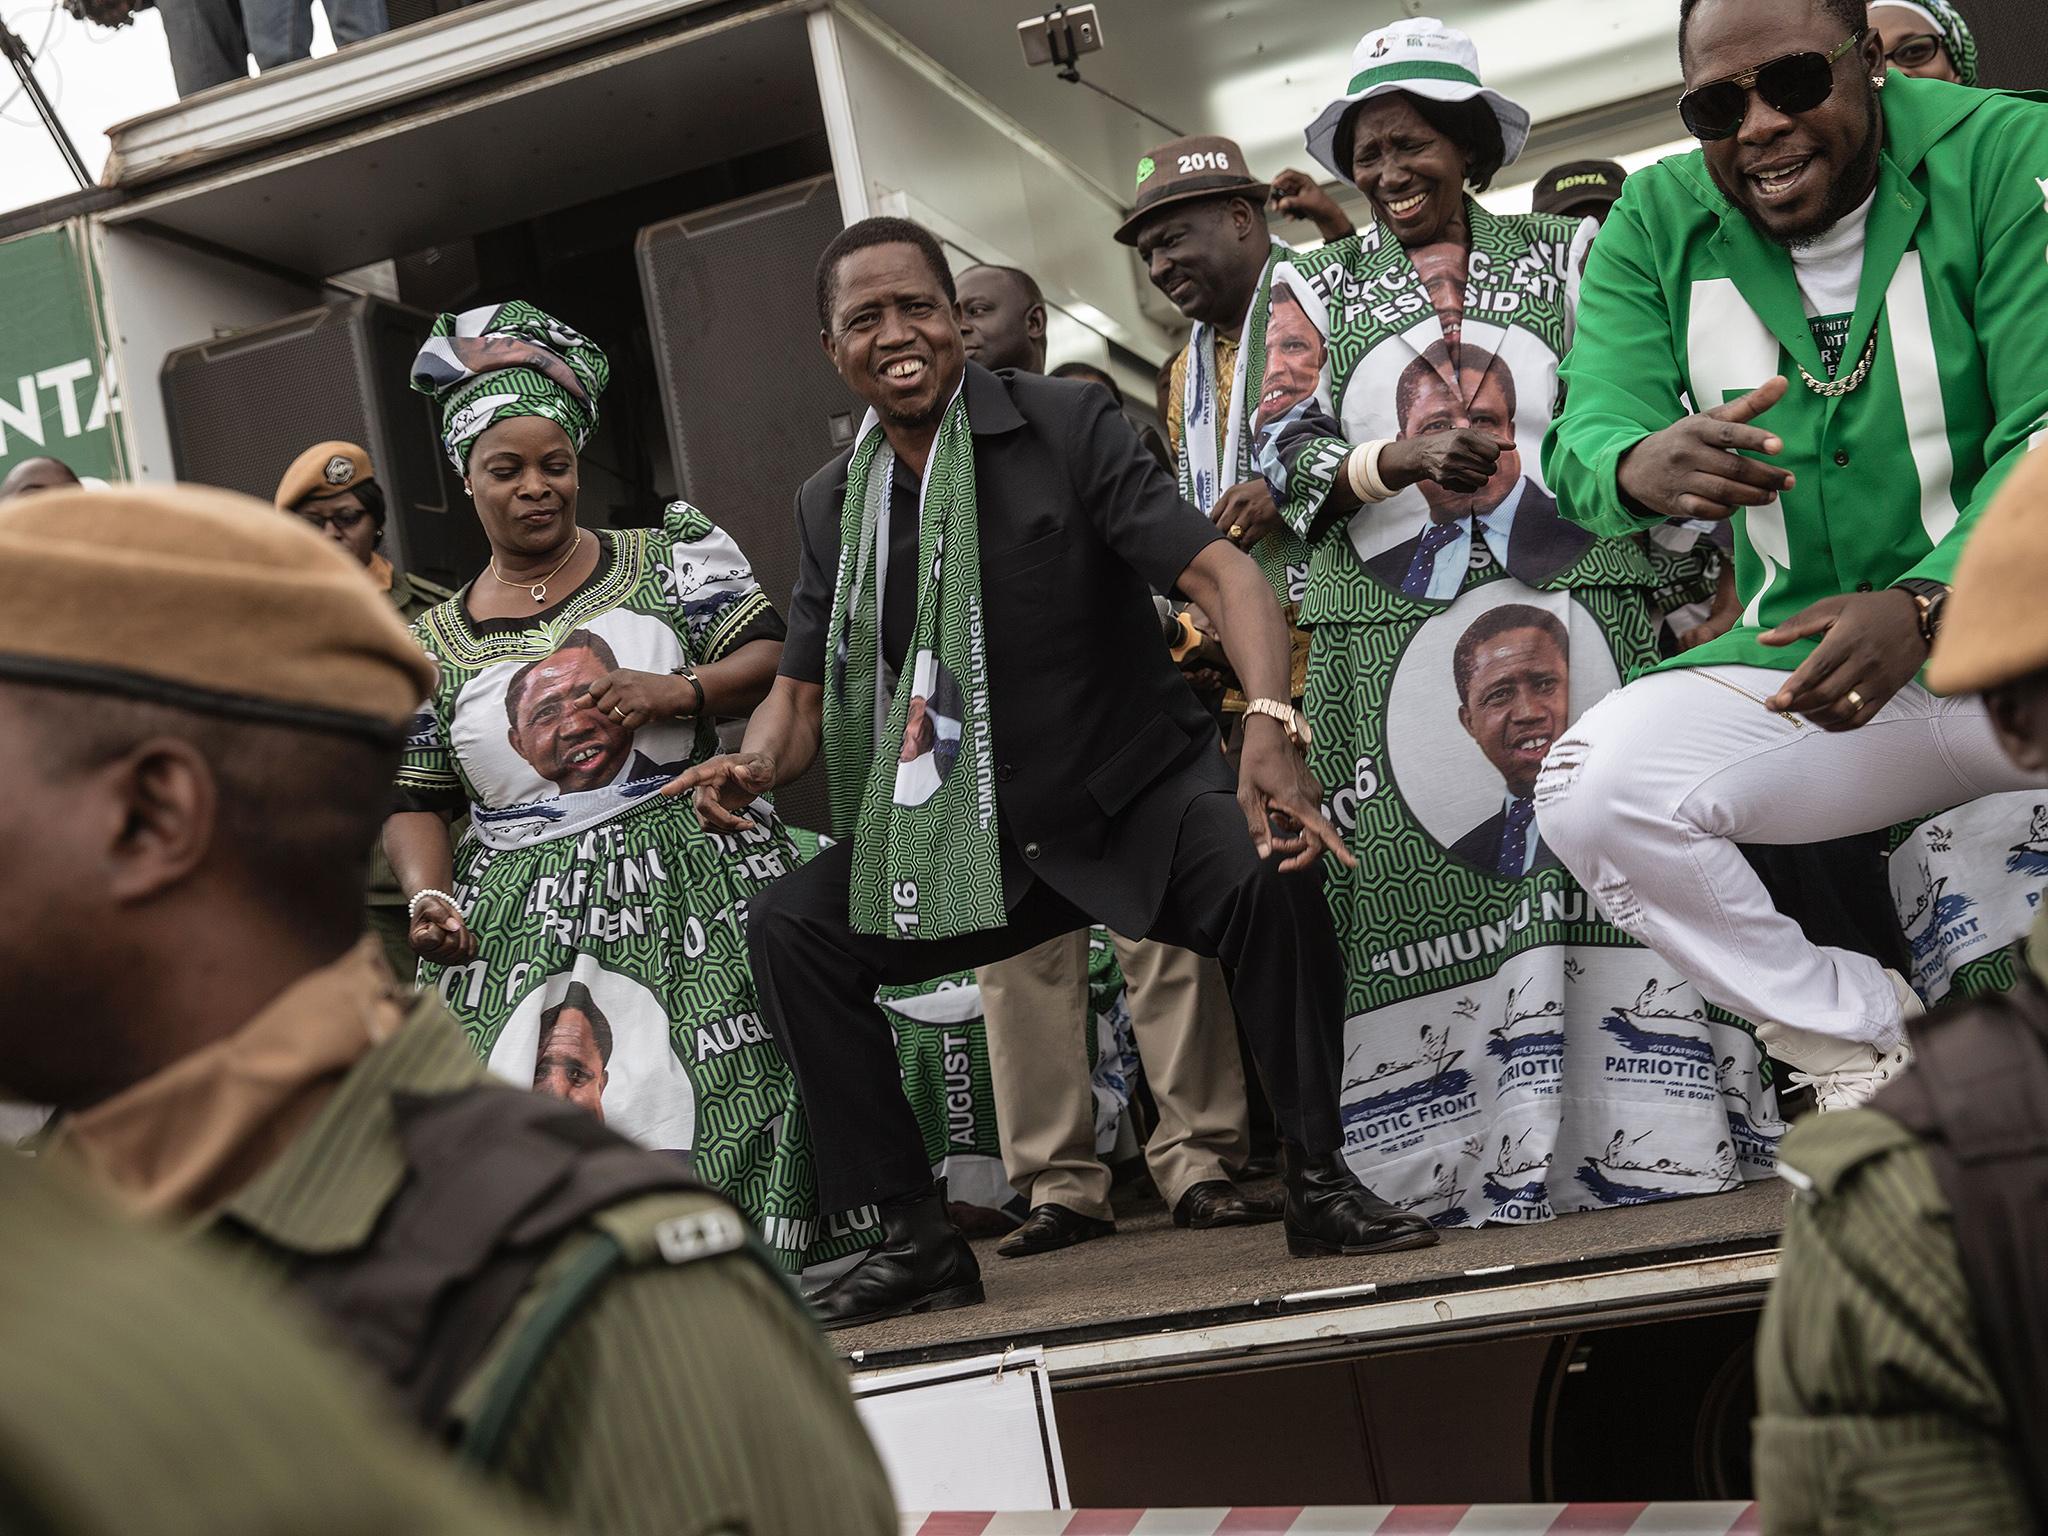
1218	430
926	862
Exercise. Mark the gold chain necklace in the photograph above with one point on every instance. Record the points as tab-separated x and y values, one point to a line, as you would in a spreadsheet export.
538	591
1837	388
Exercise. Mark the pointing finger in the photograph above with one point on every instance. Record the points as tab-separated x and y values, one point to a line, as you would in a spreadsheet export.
1752	405
690	778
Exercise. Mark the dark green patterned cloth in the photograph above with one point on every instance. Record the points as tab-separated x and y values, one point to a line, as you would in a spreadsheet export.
612	964
1509	1054
909	759
502	360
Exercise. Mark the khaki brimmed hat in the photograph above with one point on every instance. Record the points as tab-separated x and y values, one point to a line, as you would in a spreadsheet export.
1182	170
325	469
203	600
1424	58
1994	627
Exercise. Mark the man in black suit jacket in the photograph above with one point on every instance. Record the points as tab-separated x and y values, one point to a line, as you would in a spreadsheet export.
1113	799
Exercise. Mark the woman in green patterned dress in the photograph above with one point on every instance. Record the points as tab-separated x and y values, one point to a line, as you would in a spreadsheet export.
1509	1054
587	932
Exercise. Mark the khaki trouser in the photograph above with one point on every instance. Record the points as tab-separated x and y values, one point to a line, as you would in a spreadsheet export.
1036	1006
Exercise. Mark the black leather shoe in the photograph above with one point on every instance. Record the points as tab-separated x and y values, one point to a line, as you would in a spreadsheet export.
921	1265
1330	1212
1219	1203
1052	1226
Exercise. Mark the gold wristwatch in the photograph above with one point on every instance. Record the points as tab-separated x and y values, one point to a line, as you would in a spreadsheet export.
1931	599
1292	720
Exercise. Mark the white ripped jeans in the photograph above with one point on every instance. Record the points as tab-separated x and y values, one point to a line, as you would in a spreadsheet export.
1647	796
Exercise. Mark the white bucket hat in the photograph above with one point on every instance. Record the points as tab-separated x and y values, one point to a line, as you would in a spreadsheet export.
1424	58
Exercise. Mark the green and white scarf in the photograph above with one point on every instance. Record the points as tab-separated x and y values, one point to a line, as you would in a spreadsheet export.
1205	474
926	863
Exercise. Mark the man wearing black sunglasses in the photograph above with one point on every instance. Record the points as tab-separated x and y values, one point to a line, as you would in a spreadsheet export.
1823	328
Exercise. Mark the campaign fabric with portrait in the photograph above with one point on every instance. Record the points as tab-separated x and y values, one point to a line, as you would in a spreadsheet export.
1968	885
612	965
1214	418
1509	1053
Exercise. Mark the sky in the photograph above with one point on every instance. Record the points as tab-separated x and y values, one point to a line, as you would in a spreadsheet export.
96	77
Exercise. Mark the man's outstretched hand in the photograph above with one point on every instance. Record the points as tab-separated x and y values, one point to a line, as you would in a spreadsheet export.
1870	648
723	787
1281	801
1695	467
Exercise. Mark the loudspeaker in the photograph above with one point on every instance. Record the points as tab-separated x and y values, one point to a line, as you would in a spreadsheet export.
2012	43
753	406
243	406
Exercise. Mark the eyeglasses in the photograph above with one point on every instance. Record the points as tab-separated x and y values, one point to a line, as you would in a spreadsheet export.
1916	51
1796	83
345	520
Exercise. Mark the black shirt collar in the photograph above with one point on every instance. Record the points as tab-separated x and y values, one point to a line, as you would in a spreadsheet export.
990	410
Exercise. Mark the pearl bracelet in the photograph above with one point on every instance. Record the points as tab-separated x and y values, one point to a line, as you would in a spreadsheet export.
1362	468
412	907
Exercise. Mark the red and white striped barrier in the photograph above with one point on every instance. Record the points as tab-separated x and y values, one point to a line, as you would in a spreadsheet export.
1365	1520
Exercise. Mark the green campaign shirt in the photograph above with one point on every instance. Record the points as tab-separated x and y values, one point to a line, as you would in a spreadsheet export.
1685	306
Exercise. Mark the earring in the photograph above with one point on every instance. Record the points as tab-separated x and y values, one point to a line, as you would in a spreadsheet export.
1877	81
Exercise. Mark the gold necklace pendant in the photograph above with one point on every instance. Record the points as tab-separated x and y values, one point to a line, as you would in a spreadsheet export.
539	590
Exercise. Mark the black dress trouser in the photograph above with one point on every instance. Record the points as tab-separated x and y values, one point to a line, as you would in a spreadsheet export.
817	981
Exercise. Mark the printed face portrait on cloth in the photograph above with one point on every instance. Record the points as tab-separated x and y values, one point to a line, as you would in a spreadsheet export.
529	729
600	1040
1451	389
1411	387
1498	662
1296	356
1442	270
552	722
931	732
1418	381
574	1057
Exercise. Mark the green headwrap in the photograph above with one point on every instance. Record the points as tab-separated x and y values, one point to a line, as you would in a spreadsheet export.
484	365
1955	33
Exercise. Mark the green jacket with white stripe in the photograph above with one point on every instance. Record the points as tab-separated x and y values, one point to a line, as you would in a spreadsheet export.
1686	306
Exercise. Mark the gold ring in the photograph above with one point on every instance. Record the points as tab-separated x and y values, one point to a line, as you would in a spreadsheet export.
618	711
1237	530
1855	699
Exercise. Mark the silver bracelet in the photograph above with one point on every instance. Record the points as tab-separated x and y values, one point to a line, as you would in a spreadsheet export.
412	907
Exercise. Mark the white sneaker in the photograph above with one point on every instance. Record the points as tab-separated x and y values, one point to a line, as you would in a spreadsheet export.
1843	1074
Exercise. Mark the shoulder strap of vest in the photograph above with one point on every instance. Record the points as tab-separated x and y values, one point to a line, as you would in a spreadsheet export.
1977	1098
495	1179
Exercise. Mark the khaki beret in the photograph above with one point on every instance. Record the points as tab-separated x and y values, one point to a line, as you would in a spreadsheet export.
325	469
205	600
1994	628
